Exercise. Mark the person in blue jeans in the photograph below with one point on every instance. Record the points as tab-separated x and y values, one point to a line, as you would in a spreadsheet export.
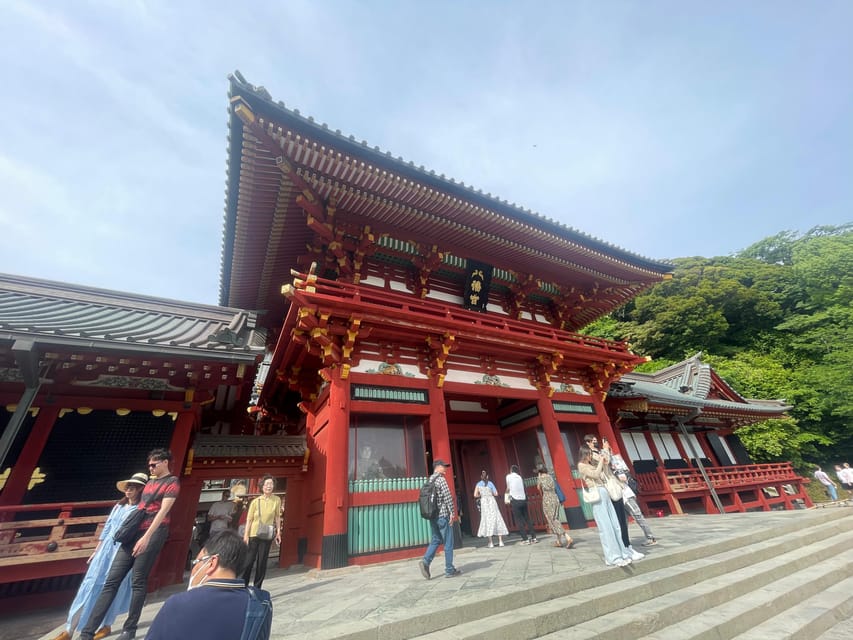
829	485
442	526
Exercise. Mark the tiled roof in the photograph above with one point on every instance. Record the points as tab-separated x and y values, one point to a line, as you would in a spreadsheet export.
214	446
428	176
265	230
61	314
688	384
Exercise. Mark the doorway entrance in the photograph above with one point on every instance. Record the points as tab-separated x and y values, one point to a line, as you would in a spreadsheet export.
471	457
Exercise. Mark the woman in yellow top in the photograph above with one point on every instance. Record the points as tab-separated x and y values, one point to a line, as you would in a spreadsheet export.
263	525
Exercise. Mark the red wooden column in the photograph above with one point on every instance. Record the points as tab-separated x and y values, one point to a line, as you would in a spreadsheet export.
172	559
605	428
181	439
294	534
439	433
562	468
336	496
19	478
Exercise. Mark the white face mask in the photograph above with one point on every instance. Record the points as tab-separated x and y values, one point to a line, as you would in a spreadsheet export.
192	586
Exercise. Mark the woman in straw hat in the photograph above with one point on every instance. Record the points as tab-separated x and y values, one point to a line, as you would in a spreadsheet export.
99	565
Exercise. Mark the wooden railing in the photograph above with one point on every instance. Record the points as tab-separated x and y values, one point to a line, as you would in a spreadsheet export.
383	306
59	536
747	475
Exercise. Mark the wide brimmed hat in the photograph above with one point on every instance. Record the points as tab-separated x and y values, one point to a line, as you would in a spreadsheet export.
136	478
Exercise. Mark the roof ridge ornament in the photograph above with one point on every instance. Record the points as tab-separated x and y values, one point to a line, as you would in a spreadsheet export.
226	336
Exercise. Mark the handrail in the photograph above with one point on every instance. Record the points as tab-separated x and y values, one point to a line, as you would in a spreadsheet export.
48	506
678	480
339	294
53	537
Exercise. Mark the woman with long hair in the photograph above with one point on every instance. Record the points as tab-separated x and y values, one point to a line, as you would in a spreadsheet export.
99	566
594	470
262	513
551	507
491	520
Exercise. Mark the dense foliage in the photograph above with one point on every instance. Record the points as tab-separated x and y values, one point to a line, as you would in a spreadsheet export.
776	321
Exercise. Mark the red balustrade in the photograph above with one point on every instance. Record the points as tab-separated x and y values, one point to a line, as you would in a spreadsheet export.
771	483
55	542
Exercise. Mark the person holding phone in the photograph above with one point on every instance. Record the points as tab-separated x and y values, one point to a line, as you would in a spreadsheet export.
591	441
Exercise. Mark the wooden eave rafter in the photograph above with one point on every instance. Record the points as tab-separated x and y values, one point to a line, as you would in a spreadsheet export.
747	411
81	367
395	201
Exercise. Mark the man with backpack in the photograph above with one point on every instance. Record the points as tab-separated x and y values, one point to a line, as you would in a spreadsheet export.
441	519
217	605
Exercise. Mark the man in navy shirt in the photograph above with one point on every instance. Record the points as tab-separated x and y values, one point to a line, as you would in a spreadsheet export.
214	605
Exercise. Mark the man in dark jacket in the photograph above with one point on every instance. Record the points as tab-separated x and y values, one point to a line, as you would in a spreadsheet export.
214	605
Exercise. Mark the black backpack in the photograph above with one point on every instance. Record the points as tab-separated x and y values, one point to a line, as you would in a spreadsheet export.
428	500
632	483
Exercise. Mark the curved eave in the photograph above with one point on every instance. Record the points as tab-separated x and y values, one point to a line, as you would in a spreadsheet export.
78	318
760	410
323	156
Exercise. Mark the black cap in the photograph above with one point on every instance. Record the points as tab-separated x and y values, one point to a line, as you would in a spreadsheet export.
440	462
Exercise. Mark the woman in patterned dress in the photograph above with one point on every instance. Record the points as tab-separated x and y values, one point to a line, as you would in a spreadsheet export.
491	520
551	508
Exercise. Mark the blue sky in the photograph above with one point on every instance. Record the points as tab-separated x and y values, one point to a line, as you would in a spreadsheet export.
667	128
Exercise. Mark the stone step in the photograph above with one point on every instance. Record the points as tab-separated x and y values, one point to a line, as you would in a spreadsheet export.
743	613
655	577
674	611
817	618
450	609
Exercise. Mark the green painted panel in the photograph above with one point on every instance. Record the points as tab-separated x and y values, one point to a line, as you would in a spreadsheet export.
385	527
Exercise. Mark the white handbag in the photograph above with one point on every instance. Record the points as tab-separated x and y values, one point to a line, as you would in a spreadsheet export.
591	496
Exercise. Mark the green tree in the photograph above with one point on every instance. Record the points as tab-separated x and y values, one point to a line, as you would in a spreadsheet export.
776	320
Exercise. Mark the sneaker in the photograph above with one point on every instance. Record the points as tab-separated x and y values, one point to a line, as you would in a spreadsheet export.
621	562
424	567
636	555
524	542
535	540
453	574
650	542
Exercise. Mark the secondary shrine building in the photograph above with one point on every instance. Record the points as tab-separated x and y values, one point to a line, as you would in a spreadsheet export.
417	318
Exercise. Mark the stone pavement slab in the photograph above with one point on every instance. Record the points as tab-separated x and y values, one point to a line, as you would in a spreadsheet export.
325	604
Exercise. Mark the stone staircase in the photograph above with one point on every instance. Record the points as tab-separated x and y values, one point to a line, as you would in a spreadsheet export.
792	581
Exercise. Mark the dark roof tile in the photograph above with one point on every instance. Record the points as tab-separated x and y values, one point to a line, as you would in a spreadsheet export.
31	307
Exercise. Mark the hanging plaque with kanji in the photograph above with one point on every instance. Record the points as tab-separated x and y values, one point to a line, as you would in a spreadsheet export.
478	279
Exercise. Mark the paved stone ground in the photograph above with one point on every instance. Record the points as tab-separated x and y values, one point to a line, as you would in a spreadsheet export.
309	603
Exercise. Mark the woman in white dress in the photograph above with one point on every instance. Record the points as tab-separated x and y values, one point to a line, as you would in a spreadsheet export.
491	520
